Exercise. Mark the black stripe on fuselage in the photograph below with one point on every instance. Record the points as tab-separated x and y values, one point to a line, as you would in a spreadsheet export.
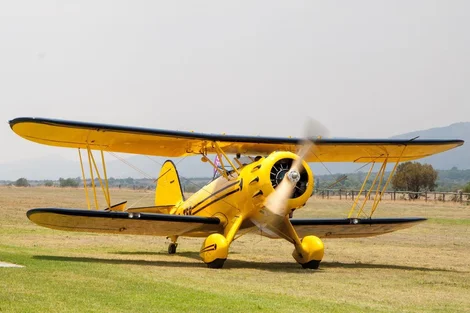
215	193
217	200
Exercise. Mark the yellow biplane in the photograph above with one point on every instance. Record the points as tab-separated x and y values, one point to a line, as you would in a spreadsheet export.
261	181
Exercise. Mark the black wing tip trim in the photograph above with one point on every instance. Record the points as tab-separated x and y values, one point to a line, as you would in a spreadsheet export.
126	215
222	138
363	221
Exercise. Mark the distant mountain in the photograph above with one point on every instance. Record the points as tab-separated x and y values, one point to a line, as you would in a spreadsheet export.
459	157
138	166
50	167
53	167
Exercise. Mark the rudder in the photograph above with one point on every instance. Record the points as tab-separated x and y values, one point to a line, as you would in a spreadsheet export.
168	190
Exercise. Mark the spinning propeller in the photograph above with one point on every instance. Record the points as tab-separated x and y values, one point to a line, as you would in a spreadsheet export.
276	202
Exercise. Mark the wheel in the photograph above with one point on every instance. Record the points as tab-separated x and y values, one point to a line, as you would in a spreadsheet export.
172	248
217	263
314	264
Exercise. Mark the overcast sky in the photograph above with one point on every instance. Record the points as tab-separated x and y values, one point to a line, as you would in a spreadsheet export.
363	68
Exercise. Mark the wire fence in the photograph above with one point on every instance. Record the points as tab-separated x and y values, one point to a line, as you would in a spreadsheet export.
347	194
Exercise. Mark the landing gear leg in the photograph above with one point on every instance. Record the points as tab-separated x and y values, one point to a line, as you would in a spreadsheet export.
173	245
214	250
308	252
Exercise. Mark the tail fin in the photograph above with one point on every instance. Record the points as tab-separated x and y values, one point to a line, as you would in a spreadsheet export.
168	190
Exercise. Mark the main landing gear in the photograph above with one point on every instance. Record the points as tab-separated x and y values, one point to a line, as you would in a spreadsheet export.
214	251
314	264
310	253
172	248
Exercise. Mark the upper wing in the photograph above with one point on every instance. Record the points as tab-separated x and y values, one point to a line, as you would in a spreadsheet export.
351	228
159	142
125	222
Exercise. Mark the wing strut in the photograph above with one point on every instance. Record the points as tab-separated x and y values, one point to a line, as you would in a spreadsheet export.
92	178
105	178
84	179
220	151
376	202
220	155
104	186
377	185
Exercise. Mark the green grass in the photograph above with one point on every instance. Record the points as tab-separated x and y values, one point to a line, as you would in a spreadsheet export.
86	285
422	269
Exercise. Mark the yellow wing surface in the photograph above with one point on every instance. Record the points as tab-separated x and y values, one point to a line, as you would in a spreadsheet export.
125	222
196	226
159	142
352	228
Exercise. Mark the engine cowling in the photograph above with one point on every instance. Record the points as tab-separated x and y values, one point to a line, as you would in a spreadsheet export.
271	171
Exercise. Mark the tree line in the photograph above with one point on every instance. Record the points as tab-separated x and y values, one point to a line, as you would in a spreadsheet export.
75	182
409	176
63	182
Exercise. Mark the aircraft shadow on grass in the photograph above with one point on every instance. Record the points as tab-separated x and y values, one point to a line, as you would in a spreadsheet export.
236	264
192	254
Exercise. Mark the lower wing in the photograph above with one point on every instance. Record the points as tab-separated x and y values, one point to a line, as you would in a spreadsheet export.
129	223
351	227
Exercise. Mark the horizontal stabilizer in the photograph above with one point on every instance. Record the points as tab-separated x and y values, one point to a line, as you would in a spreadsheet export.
163	209
351	227
119	207
129	223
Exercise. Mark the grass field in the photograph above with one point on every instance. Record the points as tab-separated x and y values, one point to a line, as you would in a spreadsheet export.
422	269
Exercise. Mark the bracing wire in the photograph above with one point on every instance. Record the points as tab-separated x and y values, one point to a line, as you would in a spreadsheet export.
146	175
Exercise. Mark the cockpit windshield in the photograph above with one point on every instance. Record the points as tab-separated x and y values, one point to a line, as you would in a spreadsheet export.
242	161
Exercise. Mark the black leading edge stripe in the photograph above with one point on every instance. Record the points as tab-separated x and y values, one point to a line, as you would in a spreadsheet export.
125	215
347	221
221	138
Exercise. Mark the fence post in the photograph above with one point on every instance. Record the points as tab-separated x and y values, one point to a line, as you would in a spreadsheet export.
352	194
425	196
340	194
443	197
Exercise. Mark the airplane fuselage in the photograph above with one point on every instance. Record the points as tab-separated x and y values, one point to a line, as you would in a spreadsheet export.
243	195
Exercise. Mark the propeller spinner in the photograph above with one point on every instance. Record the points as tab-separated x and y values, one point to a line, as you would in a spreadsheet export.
276	202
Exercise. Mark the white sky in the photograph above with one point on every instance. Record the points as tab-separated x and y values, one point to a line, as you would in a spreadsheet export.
363	68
